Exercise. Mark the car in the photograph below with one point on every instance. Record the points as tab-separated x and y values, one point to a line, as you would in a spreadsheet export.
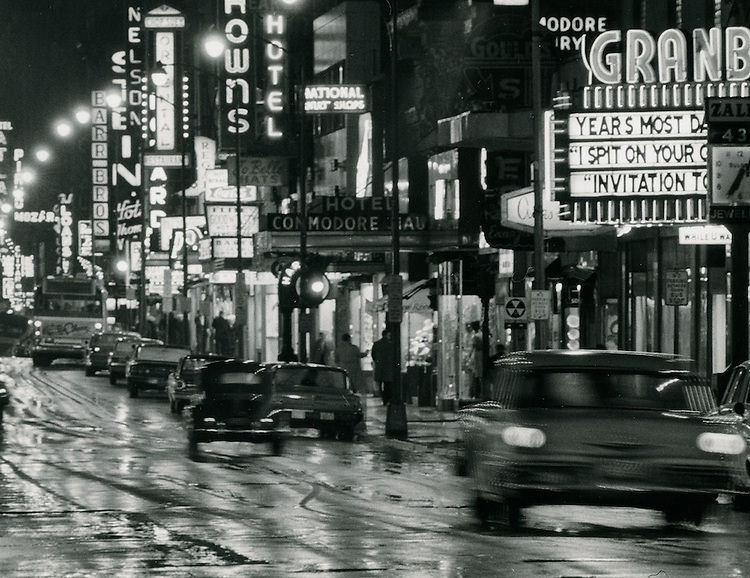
99	347
123	350
734	405
152	363
316	397
591	427
234	404
181	386
5	381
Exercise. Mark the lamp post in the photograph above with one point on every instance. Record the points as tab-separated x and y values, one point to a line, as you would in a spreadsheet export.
395	424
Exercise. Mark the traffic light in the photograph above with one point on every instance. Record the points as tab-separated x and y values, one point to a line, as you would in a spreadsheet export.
312	287
288	298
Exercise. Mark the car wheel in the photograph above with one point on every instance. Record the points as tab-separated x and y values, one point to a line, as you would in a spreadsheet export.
741	502
192	444
687	512
112	379
133	390
89	372
180	405
173	406
277	446
39	361
346	433
506	513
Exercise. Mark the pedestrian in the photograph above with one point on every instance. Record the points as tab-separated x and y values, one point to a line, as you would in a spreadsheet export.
472	362
382	359
321	350
222	334
348	357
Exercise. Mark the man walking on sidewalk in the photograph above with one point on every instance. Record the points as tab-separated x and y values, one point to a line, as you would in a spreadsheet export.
382	359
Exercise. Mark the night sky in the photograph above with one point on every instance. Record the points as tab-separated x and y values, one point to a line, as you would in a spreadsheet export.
54	52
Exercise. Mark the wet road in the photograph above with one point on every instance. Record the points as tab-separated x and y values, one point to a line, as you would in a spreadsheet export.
97	484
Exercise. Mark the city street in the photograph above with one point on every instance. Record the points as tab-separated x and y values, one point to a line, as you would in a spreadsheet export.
96	483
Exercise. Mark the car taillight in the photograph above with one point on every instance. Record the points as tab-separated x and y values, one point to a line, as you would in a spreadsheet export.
523	437
720	443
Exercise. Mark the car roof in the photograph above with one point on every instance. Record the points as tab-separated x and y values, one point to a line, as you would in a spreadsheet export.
596	359
232	364
212	356
299	364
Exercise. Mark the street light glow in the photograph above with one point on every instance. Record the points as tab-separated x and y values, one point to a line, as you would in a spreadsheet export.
83	115
214	45
42	154
113	99
63	128
121	266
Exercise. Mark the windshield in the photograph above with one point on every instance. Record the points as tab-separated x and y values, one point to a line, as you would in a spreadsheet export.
125	346
309	376
615	389
157	353
104	339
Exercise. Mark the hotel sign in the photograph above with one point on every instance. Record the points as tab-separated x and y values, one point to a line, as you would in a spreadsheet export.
335	98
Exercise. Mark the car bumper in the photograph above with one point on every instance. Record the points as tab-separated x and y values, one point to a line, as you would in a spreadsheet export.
66	351
117	370
316	419
147	383
97	363
234	434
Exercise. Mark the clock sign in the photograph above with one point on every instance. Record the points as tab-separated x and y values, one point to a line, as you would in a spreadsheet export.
730	169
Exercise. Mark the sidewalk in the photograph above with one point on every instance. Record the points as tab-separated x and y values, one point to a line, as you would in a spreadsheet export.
425	424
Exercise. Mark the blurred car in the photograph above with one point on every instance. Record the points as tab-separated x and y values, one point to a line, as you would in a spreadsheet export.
734	406
123	350
234	404
181	388
609	428
4	394
151	365
99	347
317	397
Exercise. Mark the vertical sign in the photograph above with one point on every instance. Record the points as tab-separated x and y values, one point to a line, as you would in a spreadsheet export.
275	67
99	174
238	91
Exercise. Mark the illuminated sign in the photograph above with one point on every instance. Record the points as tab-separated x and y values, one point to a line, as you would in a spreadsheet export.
35	216
221	220
710	55
238	96
99	170
64	229
345	223
335	98
171	232
157	195
274	30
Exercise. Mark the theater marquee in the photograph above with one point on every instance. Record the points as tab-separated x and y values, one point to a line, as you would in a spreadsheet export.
637	150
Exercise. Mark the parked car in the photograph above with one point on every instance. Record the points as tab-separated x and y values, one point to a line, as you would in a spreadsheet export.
123	350
151	365
100	346
234	404
181	388
735	405
317	397
4	394
599	428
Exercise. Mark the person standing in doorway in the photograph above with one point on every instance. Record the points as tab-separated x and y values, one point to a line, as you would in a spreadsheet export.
222	334
321	350
348	357
382	359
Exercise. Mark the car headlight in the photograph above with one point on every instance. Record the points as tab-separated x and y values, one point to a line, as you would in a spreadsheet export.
3	391
523	437
721	443
97	349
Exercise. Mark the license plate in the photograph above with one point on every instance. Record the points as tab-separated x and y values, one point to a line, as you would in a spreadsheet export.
153	380
326	415
299	414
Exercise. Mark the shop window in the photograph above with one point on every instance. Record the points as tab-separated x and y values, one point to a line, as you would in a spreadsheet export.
447	194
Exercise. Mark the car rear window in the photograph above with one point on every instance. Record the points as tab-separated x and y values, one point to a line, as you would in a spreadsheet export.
167	354
313	377
614	389
125	346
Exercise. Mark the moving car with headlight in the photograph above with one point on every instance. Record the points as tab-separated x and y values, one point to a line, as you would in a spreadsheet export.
100	346
5	381
181	386
234	404
149	368
735	406
601	428
123	350
316	397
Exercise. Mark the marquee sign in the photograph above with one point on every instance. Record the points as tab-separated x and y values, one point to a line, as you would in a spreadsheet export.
638	150
335	98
